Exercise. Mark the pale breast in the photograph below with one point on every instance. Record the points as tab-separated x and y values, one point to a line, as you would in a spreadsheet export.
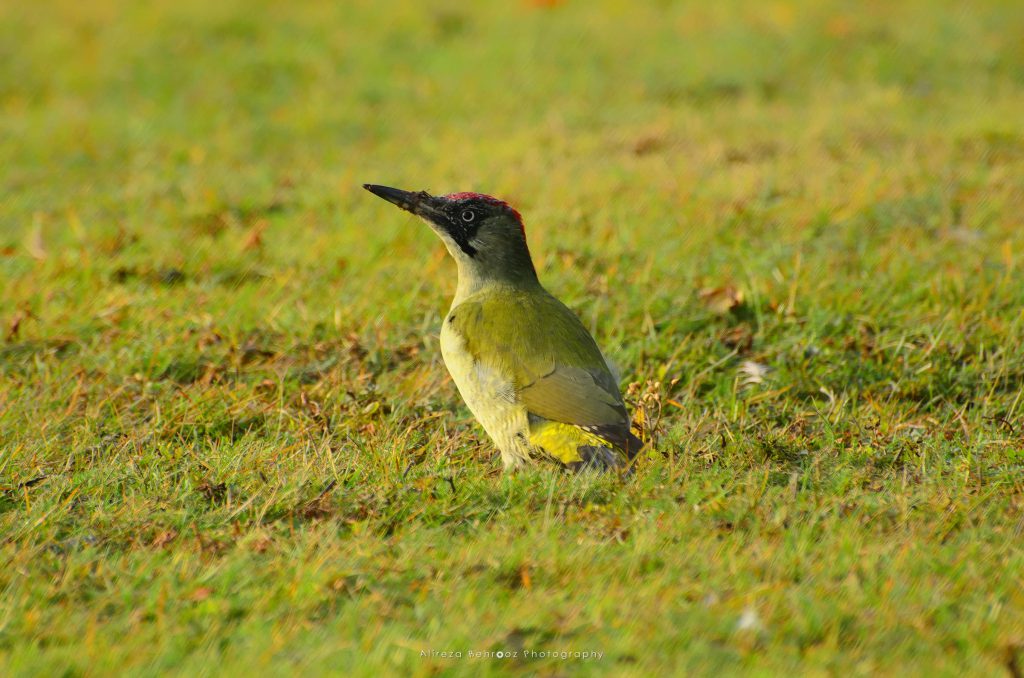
489	395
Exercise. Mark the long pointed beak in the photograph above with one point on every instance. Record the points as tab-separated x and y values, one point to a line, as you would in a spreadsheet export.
420	203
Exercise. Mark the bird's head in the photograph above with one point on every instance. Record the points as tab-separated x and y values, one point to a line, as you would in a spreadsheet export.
485	235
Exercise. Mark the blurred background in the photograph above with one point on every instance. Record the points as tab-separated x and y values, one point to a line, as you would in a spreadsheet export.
178	127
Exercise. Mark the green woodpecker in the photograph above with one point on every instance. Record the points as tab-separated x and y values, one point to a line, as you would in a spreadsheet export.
524	363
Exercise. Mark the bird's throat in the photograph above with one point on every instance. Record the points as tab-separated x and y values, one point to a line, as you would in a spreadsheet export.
474	281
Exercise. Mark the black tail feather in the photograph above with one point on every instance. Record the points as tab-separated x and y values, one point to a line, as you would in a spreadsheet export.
595	458
633	446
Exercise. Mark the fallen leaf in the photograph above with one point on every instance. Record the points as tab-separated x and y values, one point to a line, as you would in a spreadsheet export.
740	337
164	538
253	239
14	327
200	594
648	144
721	300
261	544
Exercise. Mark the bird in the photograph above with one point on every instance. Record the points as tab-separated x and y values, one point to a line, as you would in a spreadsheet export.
527	368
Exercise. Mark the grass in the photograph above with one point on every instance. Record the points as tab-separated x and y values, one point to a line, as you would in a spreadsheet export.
228	444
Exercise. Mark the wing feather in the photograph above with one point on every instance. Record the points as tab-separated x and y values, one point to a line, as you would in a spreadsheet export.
557	369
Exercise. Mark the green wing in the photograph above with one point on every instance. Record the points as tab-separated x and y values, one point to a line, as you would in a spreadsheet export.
574	395
557	369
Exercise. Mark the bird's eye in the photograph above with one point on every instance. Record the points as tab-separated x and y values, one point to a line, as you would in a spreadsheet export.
468	215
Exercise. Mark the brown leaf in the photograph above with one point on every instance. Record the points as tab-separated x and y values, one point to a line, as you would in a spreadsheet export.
164	538
740	337
261	544
15	325
200	594
321	506
648	144
253	239
1012	654
721	300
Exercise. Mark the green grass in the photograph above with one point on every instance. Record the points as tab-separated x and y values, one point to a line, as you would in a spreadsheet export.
228	444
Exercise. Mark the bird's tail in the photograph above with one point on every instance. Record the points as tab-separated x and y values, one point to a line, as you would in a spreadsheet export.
633	445
596	458
577	448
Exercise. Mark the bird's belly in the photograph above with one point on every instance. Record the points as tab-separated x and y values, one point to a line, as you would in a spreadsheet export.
490	396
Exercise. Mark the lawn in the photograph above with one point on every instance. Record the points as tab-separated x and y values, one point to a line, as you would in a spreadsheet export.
228	444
